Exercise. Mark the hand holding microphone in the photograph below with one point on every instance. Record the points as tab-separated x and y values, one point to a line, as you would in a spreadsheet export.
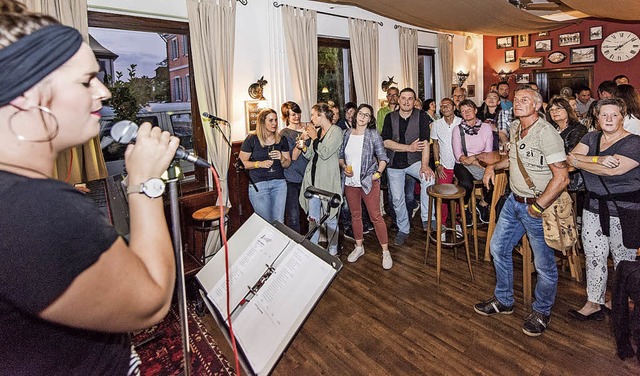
151	154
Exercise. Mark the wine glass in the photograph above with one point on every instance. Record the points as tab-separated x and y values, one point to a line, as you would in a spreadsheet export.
271	149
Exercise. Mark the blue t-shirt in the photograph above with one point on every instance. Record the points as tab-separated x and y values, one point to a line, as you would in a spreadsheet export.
252	146
295	172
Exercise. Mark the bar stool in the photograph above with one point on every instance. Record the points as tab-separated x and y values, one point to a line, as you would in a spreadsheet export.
477	185
500	184
437	193
205	220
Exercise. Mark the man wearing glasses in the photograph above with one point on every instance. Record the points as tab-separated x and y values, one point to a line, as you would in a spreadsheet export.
392	103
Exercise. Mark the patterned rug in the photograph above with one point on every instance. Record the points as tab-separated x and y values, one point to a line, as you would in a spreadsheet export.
160	347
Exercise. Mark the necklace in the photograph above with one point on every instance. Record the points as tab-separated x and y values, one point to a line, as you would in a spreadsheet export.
526	128
27	169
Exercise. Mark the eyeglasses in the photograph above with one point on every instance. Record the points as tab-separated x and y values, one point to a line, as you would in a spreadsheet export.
556	109
392	95
364	115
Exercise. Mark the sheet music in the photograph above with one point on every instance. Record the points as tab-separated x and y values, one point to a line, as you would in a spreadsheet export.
265	322
262	251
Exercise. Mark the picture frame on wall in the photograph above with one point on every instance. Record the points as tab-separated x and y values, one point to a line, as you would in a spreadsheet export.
510	56
543	45
504	42
252	109
583	55
531	62
543	34
471	91
595	33
523	40
569	39
523	78
556	57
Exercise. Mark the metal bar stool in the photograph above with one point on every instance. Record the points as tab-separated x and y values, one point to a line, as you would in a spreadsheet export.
207	219
450	192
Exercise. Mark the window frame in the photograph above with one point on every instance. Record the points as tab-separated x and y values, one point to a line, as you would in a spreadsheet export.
156	25
428	52
342	43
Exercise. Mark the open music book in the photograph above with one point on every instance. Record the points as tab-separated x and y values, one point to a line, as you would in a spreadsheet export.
276	278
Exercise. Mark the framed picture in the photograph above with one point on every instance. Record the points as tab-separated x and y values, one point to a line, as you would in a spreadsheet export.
543	34
504	42
522	78
252	109
531	62
583	55
471	91
510	56
543	45
569	39
556	57
523	40
595	33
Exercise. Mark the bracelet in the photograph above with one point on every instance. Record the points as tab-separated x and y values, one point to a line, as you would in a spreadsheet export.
537	207
574	163
594	159
255	165
437	163
377	173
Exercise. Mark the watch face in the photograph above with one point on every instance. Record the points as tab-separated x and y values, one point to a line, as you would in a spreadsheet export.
153	187
620	46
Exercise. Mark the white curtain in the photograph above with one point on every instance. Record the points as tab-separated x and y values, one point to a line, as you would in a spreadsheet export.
445	50
409	56
86	162
212	29
365	58
301	37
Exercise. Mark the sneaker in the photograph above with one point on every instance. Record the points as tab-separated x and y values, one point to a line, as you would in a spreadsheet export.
368	227
425	223
401	238
491	307
415	210
468	217
355	254
459	233
387	262
483	213
348	233
535	324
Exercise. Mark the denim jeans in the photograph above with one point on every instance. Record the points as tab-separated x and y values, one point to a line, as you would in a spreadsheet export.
293	206
317	208
270	200
409	195
513	222
397	187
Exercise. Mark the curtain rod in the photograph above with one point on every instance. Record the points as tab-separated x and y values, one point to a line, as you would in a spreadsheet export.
277	5
422	31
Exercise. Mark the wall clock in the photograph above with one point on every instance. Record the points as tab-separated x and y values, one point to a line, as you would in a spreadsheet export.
620	46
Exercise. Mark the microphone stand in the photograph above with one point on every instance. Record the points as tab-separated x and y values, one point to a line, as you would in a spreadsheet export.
176	233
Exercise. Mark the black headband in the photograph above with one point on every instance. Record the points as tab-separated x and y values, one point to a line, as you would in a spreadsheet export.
31	58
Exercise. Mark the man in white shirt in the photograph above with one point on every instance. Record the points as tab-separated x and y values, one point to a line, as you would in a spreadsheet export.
441	131
584	101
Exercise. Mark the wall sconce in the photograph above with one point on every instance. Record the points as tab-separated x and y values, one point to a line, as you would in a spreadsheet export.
462	77
386	84
504	76
255	89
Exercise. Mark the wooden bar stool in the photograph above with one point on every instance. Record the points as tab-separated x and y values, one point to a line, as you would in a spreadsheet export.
453	193
499	186
206	220
473	202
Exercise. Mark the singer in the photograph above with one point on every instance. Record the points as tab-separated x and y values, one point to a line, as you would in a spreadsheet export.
266	154
70	287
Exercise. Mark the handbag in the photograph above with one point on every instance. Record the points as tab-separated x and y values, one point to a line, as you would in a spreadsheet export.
558	221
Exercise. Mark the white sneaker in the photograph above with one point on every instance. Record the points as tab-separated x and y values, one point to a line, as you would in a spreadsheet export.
387	262
355	254
459	233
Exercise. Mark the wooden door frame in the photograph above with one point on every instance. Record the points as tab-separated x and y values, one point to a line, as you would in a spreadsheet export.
589	70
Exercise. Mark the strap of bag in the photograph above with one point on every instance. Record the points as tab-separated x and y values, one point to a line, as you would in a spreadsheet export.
464	142
523	171
600	177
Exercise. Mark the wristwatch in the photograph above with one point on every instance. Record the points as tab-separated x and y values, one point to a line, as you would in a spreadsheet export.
153	188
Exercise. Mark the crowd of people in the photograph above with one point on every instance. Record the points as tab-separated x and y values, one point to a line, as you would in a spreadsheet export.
577	143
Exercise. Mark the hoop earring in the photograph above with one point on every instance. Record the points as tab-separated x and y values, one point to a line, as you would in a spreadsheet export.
51	134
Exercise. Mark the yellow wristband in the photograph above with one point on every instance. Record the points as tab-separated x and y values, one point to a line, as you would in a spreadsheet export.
535	208
437	163
376	174
594	159
255	165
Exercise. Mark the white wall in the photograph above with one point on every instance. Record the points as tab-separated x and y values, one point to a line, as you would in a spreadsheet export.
258	52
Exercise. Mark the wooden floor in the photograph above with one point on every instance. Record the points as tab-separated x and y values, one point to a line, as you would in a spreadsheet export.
400	322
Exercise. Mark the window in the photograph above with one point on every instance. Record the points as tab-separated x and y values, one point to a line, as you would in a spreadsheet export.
147	59
426	73
335	73
174	48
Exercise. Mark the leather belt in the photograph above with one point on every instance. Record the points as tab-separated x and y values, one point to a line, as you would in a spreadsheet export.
524	200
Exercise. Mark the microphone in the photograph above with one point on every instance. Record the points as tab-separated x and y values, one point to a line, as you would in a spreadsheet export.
213	117
333	198
125	132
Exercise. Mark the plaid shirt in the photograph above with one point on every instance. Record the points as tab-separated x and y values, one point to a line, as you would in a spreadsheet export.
373	151
505	117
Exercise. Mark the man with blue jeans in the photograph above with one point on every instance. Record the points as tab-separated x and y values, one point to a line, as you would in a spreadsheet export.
541	151
406	138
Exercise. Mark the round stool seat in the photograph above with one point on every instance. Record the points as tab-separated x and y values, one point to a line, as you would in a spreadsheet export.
445	191
210	213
